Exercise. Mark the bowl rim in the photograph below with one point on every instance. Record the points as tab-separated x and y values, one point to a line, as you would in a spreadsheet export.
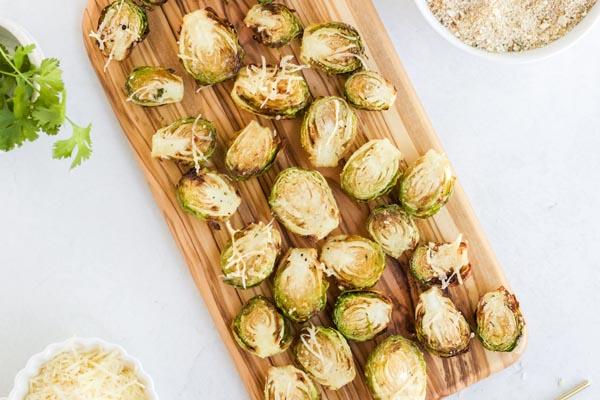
559	45
35	362
23	37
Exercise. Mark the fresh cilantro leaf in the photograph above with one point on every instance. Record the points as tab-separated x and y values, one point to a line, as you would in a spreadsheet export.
50	75
21	57
15	131
49	111
21	99
80	139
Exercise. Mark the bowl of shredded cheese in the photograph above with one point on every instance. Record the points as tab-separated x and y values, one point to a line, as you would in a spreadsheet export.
83	368
514	31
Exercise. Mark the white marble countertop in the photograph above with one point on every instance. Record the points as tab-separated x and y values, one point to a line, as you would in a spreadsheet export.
87	252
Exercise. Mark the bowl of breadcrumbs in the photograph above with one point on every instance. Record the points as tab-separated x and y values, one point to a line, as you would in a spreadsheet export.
511	30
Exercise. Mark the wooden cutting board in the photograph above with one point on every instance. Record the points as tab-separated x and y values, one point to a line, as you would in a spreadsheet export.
406	125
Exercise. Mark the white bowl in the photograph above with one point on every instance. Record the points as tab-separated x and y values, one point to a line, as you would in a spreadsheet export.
12	34
32	368
515	57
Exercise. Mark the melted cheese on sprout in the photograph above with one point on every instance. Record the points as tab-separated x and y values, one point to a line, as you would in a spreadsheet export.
289	383
364	316
447	260
160	90
331	46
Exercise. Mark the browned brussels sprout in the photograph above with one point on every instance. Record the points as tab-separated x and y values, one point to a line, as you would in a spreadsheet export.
370	91
361	315
150	3
499	320
274	25
394	230
153	86
289	383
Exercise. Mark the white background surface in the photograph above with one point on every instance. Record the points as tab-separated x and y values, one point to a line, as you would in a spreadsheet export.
87	252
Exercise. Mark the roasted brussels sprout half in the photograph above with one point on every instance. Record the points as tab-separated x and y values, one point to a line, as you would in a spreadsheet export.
121	26
252	151
499	320
441	328
274	25
334	47
361	315
289	383
372	170
265	1
325	355
396	370
153	86
303	202
273	91
394	230
150	3
443	264
260	329
300	289
209	47
427	185
354	261
190	140
370	91
208	195
328	130
249	257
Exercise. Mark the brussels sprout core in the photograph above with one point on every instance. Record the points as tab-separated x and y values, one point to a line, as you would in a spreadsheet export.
354	261
153	86
328	129
499	320
274	25
370	91
324	354
441	328
289	383
361	315
372	170
396	370
394	230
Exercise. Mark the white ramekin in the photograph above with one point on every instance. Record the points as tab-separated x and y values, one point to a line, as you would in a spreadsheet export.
32	368
12	34
515	57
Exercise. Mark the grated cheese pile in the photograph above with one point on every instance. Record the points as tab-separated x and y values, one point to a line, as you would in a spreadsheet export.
81	374
509	25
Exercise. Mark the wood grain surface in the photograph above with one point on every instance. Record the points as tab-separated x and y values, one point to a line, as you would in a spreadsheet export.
406	125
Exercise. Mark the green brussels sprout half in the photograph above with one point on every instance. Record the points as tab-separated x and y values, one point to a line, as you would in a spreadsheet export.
151	3
299	288
499	320
265	1
189	140
443	264
360	315
303	202
441	328
153	86
289	383
328	130
372	170
370	91
334	47
427	185
260	329
354	261
324	354
121	26
252	152
209	47
273	91
396	370
274	25
393	229
208	195
250	255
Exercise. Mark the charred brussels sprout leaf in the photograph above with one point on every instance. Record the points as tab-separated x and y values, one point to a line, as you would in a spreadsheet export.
190	140
273	91
153	86
499	320
328	129
426	185
252	152
325	355
370	91
274	25
299	288
260	329
372	170
289	383
249	257
209	48
303	202
396	370
394	230
354	261
443	264
441	328
335	47
122	25
361	315
208	195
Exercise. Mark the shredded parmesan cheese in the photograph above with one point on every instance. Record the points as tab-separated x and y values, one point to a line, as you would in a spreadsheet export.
447	260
